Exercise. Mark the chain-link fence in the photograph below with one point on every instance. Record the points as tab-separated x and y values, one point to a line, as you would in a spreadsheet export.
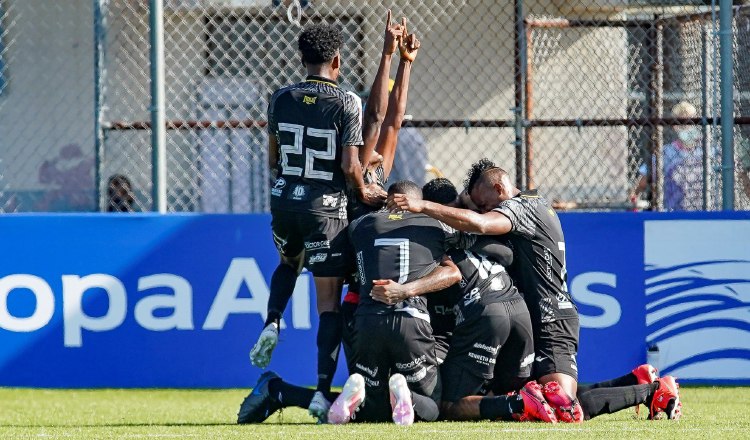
575	98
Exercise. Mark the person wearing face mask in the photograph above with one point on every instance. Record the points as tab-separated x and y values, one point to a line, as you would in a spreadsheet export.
682	166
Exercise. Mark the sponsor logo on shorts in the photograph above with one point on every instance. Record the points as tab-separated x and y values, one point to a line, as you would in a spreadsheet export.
315	245
417	376
279	242
278	187
330	201
527	360
482	359
371	372
361	268
413	363
541	358
372	382
317	258
490	349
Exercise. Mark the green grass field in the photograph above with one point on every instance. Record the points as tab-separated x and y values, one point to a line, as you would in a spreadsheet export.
83	414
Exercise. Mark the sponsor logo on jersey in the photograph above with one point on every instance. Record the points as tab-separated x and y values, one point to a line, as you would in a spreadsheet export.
314	245
472	297
330	201
482	359
361	268
309	100
395	216
317	258
300	192
278	187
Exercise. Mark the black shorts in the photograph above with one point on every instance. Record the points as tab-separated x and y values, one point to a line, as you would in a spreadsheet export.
556	346
495	345
324	240
390	344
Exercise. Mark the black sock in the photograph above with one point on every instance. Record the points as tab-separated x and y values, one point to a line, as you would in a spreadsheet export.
425	408
622	381
282	287
290	395
599	401
500	407
329	343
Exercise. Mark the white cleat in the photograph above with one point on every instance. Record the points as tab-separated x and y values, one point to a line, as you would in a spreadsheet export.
319	407
351	398
403	410
260	355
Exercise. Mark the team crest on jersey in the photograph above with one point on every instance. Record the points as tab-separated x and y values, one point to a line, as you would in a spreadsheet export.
309	100
330	201
278	187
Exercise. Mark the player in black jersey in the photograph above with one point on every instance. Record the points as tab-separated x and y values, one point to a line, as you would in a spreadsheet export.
539	268
394	345
315	132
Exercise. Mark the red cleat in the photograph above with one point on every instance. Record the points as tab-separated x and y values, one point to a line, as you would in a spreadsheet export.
666	400
646	374
535	407
566	409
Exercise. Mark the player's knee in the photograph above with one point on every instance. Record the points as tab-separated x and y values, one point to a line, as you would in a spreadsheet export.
567	383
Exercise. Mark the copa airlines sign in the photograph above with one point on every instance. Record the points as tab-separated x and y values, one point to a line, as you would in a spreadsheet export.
242	272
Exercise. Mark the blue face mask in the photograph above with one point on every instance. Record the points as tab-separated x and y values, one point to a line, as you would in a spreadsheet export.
689	136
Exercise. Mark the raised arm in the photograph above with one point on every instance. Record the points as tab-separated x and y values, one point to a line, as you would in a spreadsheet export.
388	139
375	109
489	223
442	277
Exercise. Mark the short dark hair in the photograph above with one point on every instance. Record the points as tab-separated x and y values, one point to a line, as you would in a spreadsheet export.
440	190
405	187
475	172
319	43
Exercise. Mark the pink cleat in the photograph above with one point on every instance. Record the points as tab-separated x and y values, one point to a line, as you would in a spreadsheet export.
351	398
403	411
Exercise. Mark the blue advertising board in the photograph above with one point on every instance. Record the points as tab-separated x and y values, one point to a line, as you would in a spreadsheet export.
142	300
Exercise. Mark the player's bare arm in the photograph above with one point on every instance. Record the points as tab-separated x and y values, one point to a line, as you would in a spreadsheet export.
372	194
273	154
489	223
390	292
388	139
375	109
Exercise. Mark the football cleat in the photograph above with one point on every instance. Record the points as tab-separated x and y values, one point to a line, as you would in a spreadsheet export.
566	409
259	404
351	398
646	374
319	407
535	407
666	400
401	404
260	355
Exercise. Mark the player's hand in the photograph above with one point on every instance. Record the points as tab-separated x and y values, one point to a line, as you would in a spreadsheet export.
388	292
375	159
402	202
393	32
408	45
372	195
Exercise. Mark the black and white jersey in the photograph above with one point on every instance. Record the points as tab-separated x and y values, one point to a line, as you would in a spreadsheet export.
402	247
312	122
539	257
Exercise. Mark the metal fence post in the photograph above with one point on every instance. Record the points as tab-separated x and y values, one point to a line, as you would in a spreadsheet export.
727	104
158	124
100	14
521	56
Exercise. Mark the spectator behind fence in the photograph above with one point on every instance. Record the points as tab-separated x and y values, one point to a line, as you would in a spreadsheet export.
120	197
682	162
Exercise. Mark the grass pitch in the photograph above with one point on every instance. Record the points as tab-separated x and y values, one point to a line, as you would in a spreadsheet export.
99	414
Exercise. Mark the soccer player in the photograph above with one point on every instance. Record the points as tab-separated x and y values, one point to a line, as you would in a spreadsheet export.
396	337
315	132
492	343
540	273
